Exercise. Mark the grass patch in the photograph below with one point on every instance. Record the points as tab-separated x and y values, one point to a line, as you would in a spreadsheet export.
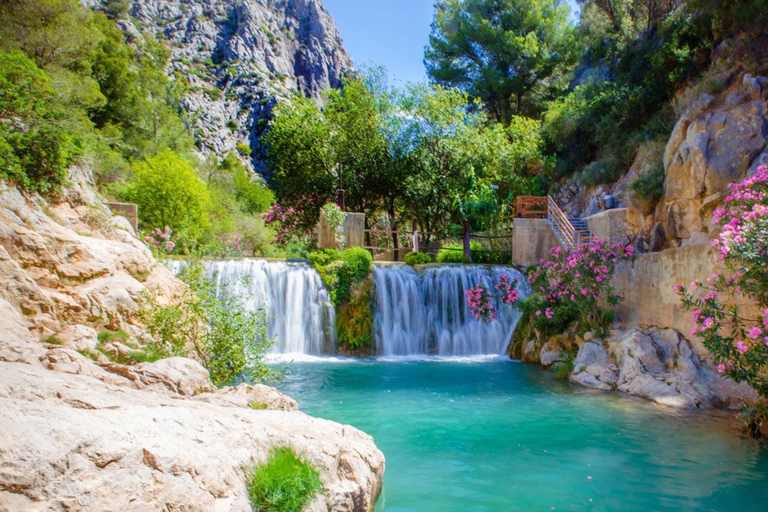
285	483
111	336
53	340
257	405
90	354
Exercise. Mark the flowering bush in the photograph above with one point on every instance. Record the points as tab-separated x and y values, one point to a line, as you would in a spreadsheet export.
160	239
293	224
738	341
569	285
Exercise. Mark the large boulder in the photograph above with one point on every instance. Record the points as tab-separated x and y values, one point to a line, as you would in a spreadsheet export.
717	141
659	365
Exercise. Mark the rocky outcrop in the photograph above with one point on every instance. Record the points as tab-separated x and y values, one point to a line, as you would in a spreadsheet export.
658	365
85	434
240	58
74	442
715	142
71	263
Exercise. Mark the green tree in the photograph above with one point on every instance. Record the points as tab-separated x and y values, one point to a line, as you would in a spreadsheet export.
39	138
169	193
499	50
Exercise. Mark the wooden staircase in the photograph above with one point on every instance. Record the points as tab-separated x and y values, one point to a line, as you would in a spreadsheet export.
571	232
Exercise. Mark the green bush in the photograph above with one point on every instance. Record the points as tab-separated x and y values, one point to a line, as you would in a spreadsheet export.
229	340
417	258
649	186
285	483
243	149
323	257
595	174
357	263
451	253
38	136
169	193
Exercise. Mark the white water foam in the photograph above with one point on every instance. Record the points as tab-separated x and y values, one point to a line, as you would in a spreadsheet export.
301	316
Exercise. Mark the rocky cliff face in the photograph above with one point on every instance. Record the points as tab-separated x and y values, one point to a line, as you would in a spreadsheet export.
79	434
241	57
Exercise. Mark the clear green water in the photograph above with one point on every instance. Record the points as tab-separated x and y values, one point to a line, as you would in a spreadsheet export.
503	436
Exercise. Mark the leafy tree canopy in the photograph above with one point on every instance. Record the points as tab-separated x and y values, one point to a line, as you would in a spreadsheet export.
499	51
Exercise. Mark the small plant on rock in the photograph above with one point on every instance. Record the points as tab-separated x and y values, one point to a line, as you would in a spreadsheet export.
730	309
285	483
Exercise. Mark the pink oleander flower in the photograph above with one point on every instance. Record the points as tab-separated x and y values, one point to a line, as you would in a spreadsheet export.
741	347
721	368
755	333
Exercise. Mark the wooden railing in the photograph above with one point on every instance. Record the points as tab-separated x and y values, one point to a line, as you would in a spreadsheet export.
531	207
561	225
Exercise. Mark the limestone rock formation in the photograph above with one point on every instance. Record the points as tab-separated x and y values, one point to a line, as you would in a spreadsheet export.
714	143
73	442
656	364
72	263
240	58
79	434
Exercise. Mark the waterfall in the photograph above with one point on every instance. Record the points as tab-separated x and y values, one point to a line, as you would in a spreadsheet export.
300	314
426	312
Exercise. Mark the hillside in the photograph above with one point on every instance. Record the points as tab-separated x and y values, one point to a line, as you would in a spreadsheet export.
240	58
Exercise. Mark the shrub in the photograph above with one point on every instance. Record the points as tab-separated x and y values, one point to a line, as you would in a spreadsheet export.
595	174
451	253
568	285
228	339
232	125
356	266
169	193
213	93
649	186
285	483
38	136
323	257
737	337
417	258
243	149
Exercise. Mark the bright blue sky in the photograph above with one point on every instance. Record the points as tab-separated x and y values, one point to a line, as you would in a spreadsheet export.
392	33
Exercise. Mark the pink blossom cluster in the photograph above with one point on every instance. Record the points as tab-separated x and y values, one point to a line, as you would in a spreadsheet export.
580	275
480	303
508	292
291	223
737	339
160	239
746	210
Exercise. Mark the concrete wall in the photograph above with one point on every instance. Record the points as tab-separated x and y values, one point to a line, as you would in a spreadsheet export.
354	229
648	284
532	239
129	211
610	225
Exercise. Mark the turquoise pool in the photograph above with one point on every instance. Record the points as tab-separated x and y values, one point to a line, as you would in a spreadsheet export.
503	436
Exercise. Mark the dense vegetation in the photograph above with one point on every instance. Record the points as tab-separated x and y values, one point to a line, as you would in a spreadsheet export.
76	90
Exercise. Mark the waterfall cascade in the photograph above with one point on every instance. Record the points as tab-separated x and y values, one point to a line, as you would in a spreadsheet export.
426	312
301	316
415	312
